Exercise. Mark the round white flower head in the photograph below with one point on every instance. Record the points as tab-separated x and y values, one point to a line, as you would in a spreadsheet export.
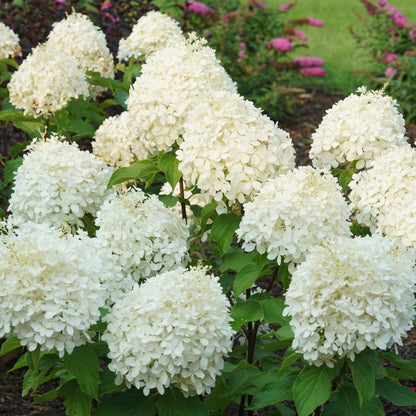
153	31
171	82
173	329
58	183
294	212
46	81
146	236
350	294
391	179
230	148
9	42
79	38
119	142
358	128
51	287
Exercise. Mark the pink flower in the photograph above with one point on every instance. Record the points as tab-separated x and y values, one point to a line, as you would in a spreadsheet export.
112	18
412	34
308	61
280	44
242	45
391	57
259	5
371	8
286	6
300	35
315	22
106	5
414	388
390	72
401	20
411	52
59	1
199	8
314	71
241	53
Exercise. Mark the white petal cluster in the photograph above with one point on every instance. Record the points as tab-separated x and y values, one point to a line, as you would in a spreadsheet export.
153	31
230	148
170	85
79	38
391	179
360	127
51	287
350	294
294	212
145	236
9	42
118	141
58	183
162	333
46	81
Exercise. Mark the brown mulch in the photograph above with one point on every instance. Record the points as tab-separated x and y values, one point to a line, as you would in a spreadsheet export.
300	126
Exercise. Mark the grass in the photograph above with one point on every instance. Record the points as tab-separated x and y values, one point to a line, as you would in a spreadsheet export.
344	61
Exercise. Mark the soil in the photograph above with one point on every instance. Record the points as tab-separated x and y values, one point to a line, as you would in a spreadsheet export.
300	126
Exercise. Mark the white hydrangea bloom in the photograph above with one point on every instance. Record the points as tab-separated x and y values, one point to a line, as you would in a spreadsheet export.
79	38
46	81
52	287
360	127
294	212
153	31
9	42
145	236
58	183
162	333
391	179
119	142
350	294
171	83
230	148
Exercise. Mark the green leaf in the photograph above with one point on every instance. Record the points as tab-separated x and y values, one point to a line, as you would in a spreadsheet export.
208	211
11	343
46	397
223	229
168	200
76	402
395	392
242	378
121	97
408	366
245	311
312	388
77	125
20	363
107	382
237	259
10	169
31	128
18	148
363	377
14	115
273	311
28	382
285	333
83	364
173	403
127	403
289	357
168	164
246	277
143	169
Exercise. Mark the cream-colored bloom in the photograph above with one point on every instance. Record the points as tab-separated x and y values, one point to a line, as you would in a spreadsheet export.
350	294
162	333
358	128
46	81
9	42
57	183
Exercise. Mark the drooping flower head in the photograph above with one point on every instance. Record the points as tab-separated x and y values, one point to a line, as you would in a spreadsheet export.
358	128
199	8
152	32
350	294
58	183
46	81
52	287
144	235
230	148
280	44
161	334
308	61
294	212
9	42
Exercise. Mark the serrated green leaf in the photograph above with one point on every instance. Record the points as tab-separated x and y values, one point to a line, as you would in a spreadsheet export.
168	200
245	311
107	382
409	366
46	397
273	311
28	382
289	357
83	364
168	164
173	403
285	333
223	229
343	402
246	277
31	128
18	148
241	378
395	392
237	259
11	343
20	363
76	402
312	388
121	98
208	211
77	125
10	169
14	115
143	169
363	377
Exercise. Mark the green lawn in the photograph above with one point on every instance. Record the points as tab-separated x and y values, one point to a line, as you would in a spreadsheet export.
333	42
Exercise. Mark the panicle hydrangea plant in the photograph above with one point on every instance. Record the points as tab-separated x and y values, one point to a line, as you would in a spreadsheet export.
52	286
145	236
358	128
46	81
350	294
294	212
9	42
162	334
58	183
